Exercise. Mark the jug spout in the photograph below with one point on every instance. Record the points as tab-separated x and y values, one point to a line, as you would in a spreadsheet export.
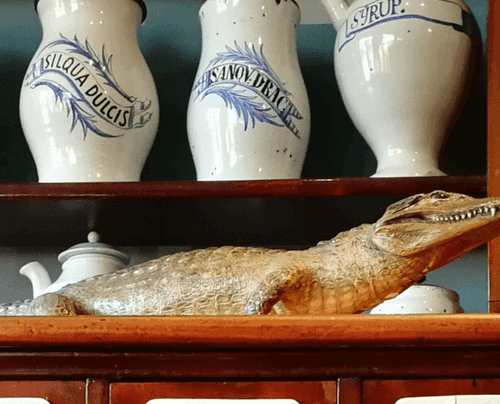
337	10
38	276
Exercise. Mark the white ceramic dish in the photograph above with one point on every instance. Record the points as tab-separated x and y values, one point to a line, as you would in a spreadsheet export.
421	299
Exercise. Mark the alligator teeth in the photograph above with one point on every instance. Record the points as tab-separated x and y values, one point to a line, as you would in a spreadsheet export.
492	210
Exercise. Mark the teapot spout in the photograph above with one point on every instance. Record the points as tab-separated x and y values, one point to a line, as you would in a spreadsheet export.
337	10
38	276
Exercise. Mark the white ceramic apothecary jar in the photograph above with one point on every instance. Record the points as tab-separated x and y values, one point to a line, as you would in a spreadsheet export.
89	106
248	115
404	68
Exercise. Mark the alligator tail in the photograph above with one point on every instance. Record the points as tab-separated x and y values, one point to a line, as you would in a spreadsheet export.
19	308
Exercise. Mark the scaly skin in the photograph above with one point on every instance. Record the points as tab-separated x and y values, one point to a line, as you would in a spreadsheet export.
351	273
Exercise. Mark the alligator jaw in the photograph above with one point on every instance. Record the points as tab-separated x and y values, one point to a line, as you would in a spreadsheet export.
480	211
454	223
483	211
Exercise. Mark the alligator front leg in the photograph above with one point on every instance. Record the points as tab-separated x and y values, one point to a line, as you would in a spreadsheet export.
286	275
54	304
263	299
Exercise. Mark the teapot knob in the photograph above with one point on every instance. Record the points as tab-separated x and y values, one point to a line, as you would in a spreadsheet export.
93	237
93	246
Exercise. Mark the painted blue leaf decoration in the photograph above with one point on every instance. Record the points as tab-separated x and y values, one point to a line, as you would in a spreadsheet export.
70	95
248	56
244	105
103	67
73	105
245	81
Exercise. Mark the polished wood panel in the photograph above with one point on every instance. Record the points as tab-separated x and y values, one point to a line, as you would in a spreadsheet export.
350	391
389	391
56	392
97	391
494	144
303	392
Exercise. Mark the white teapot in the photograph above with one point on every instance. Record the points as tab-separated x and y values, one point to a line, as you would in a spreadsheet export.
80	262
404	68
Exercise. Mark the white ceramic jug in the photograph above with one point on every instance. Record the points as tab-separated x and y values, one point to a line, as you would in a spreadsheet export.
248	115
403	68
89	107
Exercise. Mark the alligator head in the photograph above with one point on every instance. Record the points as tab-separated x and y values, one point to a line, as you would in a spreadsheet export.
448	223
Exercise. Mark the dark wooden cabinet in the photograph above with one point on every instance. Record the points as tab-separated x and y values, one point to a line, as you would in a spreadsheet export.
340	359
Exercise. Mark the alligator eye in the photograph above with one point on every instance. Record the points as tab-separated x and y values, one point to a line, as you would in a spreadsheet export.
440	195
405	203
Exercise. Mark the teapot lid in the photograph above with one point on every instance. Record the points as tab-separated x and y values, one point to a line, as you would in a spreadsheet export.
93	247
140	3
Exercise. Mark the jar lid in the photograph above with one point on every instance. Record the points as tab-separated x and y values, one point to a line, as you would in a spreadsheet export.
93	247
140	3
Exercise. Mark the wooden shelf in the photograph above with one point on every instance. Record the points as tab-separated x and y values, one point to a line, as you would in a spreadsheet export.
241	189
259	332
232	348
291	212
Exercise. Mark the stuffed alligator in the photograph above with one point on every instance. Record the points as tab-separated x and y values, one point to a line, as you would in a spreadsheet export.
351	273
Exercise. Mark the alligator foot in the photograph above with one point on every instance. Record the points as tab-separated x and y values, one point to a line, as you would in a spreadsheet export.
53	304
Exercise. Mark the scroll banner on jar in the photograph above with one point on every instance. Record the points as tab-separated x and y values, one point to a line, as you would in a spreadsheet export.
76	75
258	80
380	12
